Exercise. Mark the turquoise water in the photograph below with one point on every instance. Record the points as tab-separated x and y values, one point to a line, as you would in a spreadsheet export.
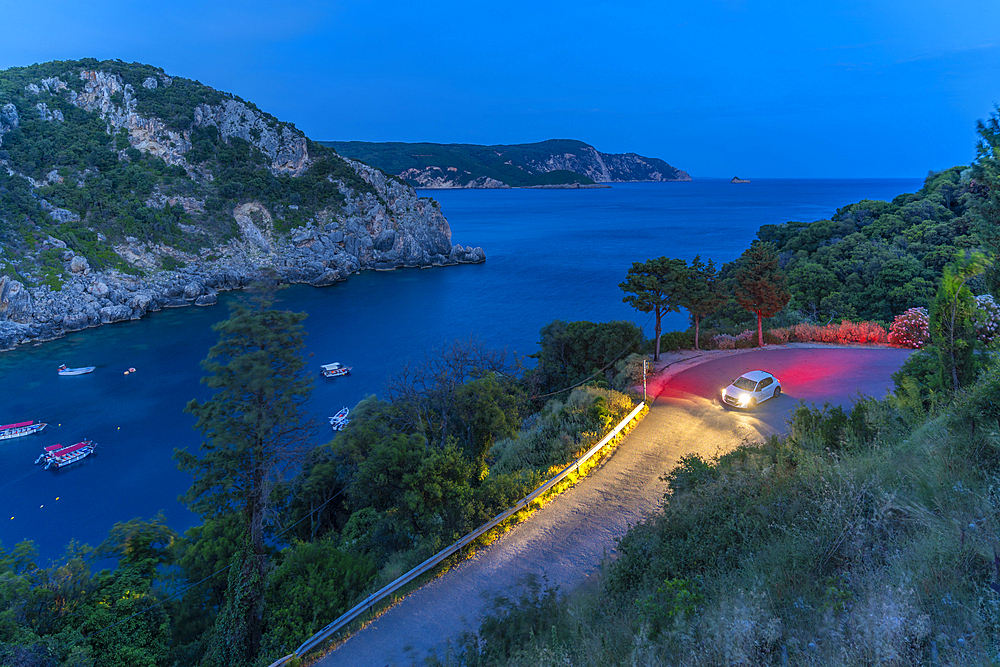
551	254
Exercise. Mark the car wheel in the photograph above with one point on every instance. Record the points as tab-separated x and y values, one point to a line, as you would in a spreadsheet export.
777	392
752	404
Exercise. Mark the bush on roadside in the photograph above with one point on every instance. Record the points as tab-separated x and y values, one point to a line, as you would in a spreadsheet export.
911	329
742	341
987	319
672	341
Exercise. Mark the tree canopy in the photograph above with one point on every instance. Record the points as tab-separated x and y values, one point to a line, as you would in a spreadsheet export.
256	429
760	286
702	292
656	285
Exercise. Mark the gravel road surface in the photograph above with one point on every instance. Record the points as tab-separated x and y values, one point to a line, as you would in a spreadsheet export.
566	541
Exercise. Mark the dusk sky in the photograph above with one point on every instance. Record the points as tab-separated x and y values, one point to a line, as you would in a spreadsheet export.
851	88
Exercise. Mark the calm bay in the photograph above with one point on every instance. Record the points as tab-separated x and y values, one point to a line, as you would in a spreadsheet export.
551	254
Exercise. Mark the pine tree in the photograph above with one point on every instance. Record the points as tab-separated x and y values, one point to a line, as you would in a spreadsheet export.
761	287
655	285
254	428
702	293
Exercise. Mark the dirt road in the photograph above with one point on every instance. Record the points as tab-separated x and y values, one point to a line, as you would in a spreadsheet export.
566	541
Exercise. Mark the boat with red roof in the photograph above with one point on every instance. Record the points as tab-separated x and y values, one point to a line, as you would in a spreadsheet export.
57	456
8	431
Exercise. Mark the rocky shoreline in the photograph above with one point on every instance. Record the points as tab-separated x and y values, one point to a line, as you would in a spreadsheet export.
381	227
395	229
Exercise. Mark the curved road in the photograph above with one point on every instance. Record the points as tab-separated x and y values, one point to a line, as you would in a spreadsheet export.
566	541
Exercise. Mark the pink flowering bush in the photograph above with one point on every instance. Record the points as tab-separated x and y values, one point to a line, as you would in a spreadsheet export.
910	329
865	333
779	336
726	342
987	319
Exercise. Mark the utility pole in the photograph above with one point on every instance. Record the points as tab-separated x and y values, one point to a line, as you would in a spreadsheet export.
643	380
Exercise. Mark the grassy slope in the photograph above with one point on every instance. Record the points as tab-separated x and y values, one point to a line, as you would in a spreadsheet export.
867	539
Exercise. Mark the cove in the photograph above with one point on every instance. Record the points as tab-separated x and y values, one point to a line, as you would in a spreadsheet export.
551	254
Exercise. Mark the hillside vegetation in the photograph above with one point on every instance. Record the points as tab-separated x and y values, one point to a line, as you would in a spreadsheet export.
866	536
114	150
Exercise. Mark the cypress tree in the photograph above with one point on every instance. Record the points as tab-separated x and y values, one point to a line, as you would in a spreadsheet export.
255	428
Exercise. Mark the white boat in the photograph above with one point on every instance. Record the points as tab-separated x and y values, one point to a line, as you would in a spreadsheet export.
63	457
63	370
340	420
336	369
45	453
8	431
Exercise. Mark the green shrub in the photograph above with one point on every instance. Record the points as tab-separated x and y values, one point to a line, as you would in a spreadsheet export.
171	263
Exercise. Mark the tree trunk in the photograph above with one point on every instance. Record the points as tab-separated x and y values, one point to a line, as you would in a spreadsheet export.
760	329
696	319
255	613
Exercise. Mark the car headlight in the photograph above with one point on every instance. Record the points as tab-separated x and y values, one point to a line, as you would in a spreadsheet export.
744	400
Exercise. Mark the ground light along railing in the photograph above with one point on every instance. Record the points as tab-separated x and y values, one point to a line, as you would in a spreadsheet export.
326	633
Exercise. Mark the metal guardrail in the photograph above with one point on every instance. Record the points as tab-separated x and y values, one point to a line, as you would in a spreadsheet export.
437	558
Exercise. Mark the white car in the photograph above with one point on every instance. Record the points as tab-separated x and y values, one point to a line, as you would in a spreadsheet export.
751	388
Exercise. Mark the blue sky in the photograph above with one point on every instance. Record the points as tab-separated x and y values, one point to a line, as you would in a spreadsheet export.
767	88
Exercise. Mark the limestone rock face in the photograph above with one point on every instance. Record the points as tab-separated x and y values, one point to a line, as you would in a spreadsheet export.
79	264
285	147
15	301
209	299
118	313
385	227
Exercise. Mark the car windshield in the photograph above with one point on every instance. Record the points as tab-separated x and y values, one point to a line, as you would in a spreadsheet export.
746	384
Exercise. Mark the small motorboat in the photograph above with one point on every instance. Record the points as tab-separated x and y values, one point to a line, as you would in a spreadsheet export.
8	431
336	369
64	370
65	456
340	420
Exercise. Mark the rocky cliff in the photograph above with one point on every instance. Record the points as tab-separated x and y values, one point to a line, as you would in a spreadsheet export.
547	163
124	190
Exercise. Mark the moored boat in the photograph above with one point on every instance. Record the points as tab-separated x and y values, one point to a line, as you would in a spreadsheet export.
45	453
63	457
8	431
83	370
336	369
340	420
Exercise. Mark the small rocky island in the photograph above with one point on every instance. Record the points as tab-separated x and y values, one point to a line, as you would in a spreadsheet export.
165	192
737	179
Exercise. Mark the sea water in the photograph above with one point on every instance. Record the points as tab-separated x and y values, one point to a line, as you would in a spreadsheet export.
551	254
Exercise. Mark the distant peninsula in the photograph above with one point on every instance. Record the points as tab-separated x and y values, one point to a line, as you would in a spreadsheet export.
552	163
